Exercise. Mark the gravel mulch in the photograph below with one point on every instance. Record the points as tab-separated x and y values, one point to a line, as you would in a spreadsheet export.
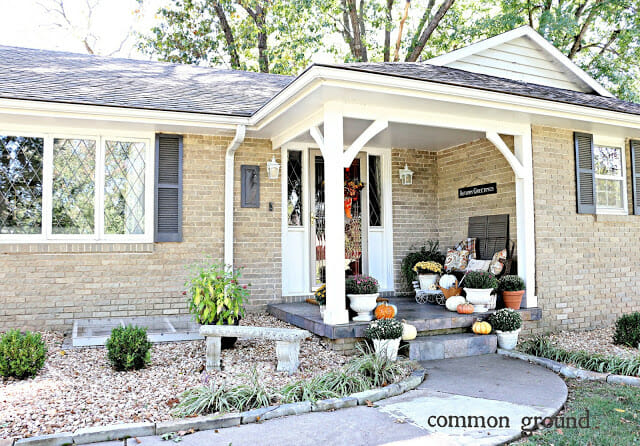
599	340
78	388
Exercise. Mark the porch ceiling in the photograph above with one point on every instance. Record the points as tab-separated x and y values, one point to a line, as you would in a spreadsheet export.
401	135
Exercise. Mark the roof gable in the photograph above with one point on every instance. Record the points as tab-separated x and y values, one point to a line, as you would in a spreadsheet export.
523	55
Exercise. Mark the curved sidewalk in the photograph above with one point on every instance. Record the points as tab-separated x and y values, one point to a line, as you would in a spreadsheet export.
469	391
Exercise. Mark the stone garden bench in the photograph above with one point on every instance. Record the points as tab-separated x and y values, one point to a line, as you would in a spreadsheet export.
287	343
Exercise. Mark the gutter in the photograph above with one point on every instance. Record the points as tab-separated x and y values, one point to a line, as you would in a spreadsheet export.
229	165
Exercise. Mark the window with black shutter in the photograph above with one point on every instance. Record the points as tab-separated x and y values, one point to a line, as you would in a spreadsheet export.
168	221
635	174
585	173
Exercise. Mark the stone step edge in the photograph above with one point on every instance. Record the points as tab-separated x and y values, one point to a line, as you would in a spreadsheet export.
569	371
447	335
127	430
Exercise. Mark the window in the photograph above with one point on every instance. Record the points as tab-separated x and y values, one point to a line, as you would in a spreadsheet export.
610	177
64	187
294	188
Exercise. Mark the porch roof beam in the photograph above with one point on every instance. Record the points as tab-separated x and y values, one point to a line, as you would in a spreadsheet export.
316	134
376	127
515	164
297	129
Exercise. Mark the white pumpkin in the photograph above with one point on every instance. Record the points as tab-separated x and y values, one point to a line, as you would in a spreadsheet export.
409	332
447	281
453	302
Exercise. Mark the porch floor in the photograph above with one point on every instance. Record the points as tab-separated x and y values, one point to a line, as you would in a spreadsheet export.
425	317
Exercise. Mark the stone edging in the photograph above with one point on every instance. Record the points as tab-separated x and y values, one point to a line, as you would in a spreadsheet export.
572	372
120	431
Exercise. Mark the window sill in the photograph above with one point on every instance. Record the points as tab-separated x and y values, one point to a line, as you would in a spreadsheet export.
75	248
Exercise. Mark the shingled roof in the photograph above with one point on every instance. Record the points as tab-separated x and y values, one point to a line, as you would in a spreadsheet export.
461	78
56	76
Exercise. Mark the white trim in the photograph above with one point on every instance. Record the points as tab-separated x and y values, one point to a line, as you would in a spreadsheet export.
515	164
229	168
616	143
350	154
523	31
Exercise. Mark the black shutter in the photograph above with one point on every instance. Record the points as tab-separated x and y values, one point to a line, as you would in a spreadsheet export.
635	174
491	233
585	173
168	221
478	231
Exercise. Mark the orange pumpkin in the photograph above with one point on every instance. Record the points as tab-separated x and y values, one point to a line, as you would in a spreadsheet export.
465	309
384	311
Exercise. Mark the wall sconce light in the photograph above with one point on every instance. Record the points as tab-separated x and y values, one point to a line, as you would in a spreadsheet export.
273	169
406	176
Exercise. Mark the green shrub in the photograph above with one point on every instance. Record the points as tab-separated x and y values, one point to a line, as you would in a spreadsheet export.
379	370
204	399
427	253
628	330
511	283
21	355
480	280
505	319
384	329
128	348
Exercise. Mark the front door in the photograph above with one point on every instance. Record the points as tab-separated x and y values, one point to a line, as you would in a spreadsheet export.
356	219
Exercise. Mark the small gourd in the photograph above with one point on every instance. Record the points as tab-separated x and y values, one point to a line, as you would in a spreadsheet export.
453	302
384	311
465	309
481	327
409	332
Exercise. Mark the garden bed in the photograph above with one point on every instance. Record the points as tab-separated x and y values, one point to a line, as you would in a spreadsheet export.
78	388
599	341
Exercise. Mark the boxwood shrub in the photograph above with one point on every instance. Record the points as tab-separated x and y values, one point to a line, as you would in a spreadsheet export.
628	330
21	355
128	348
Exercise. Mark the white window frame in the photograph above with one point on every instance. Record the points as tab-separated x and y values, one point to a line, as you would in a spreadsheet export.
46	235
618	143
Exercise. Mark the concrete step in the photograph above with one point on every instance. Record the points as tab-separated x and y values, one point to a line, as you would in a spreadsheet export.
426	348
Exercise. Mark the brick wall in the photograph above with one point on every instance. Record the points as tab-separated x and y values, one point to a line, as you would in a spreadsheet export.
49	285
586	265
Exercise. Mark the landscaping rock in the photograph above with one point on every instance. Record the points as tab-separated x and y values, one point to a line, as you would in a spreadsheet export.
334	403
628	380
60	439
117	432
288	409
198	423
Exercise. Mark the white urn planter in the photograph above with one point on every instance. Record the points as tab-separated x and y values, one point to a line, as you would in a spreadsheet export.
507	340
427	280
363	304
387	347
480	298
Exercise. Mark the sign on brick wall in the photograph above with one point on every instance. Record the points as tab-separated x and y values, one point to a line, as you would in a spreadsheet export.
476	191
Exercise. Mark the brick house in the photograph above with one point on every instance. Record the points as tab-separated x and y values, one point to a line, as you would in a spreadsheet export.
115	174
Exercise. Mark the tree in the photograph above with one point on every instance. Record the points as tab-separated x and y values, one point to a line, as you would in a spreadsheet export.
264	35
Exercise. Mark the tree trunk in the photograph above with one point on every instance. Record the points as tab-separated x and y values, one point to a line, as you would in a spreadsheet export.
258	17
357	49
431	27
577	40
228	35
387	31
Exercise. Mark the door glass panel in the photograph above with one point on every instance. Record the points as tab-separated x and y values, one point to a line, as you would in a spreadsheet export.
353	217
375	193
294	188
318	213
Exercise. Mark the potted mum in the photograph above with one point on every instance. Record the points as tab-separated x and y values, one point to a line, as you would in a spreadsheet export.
506	323
479	286
362	292
428	274
216	296
321	298
512	288
385	334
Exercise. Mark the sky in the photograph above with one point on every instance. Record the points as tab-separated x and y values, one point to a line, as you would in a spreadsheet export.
27	23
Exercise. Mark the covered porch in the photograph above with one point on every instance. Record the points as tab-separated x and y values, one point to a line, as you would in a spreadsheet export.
414	129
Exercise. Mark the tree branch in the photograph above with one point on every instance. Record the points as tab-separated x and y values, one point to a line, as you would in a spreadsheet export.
387	30
585	26
431	27
228	35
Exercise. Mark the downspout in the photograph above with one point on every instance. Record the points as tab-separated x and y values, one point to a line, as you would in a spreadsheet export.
229	164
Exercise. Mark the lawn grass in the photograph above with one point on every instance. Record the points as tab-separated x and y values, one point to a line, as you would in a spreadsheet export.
614	417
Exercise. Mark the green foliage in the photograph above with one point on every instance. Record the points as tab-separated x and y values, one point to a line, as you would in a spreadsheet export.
511	283
384	329
361	284
307	390
480	280
128	348
21	355
252	395
627	330
378	369
216	296
427	253
542	347
204	399
505	319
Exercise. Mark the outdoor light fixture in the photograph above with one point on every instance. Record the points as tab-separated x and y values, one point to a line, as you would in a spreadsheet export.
406	176
273	169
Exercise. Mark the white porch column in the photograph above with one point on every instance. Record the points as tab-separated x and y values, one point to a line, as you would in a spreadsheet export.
526	219
332	151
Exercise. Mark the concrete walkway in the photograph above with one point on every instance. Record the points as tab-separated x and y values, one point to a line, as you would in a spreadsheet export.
491	389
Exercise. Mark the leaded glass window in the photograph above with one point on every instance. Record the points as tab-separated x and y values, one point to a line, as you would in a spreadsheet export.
375	193
21	161
124	187
74	186
294	188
